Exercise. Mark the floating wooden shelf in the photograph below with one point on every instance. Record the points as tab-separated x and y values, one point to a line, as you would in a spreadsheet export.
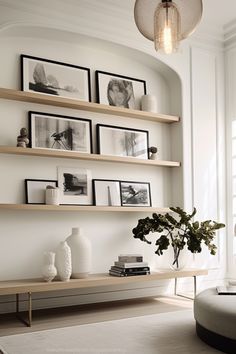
51	100
43	207
81	156
93	280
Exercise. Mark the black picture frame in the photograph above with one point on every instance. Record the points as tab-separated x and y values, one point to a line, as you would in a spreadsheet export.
106	192
119	90
121	141
46	76
60	132
37	195
131	194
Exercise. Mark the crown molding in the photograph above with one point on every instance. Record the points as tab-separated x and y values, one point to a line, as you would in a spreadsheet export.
93	17
230	35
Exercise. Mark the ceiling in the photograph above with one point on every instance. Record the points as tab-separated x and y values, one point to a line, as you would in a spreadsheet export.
218	12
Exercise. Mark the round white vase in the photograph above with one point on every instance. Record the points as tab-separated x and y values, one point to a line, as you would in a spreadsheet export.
80	253
149	103
49	271
63	261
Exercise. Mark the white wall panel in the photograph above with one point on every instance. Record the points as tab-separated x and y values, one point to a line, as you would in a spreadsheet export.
205	157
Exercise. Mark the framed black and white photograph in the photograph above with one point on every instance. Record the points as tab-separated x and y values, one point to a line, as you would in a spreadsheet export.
135	194
75	186
120	91
118	141
56	132
55	78
106	192
35	190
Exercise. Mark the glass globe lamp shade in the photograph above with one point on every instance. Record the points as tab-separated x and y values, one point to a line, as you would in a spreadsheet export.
167	27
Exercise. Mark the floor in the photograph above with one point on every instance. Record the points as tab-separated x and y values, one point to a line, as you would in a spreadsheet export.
75	315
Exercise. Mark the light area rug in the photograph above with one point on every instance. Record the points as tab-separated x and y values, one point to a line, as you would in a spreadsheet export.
165	333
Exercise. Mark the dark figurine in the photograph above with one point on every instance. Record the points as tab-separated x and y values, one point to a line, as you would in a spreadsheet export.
22	139
154	153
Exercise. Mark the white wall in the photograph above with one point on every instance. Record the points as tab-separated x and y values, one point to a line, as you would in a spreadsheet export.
25	236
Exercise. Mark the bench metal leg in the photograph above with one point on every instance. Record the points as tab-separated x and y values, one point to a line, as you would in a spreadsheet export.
194	289
28	322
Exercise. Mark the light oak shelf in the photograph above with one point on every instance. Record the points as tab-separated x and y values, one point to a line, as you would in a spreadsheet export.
44	207
82	156
51	100
38	285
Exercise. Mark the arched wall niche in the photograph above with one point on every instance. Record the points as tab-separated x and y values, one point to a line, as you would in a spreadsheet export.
169	92
166	184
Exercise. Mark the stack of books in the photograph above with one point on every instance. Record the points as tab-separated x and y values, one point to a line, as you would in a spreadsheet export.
129	265
226	290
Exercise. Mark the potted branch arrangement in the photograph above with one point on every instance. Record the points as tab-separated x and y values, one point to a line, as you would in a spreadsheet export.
178	232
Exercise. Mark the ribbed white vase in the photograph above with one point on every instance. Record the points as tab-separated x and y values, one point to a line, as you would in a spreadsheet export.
49	271
63	261
80	253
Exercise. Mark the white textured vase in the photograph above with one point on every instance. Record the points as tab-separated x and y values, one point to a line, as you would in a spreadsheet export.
52	196
63	261
149	103
49	271
80	253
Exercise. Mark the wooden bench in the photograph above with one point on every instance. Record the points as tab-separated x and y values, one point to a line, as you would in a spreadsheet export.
29	286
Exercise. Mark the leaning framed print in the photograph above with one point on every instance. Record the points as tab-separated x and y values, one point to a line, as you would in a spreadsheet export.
75	186
55	78
135	193
106	192
56	132
35	190
119	141
120	91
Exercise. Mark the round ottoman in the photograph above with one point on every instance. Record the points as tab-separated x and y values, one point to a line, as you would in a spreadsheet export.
215	317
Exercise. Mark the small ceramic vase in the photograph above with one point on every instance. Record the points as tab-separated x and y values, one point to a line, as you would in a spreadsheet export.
63	261
80	252
149	103
52	196
49	270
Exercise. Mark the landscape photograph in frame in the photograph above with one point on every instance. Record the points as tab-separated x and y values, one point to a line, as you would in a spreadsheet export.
135	193
51	77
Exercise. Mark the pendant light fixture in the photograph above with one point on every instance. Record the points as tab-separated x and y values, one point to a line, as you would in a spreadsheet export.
167	22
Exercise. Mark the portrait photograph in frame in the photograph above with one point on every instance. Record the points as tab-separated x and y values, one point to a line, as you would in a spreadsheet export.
75	186
35	190
57	132
119	141
51	77
120	91
135	193
106	192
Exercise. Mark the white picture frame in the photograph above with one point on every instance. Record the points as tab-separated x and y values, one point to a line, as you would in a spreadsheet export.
75	186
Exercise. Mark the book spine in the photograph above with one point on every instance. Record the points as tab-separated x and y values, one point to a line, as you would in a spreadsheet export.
130	259
130	270
122	274
129	265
